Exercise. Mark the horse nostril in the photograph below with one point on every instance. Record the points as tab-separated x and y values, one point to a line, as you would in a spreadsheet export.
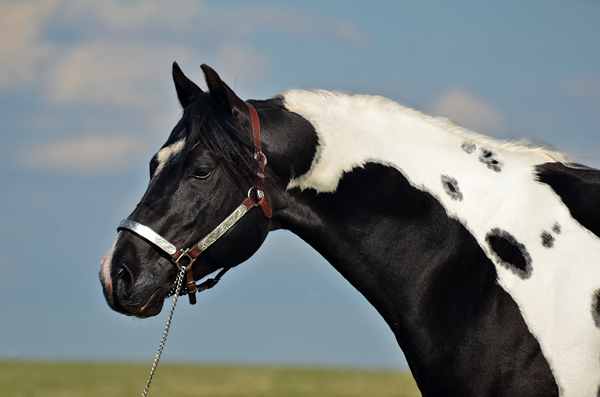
124	279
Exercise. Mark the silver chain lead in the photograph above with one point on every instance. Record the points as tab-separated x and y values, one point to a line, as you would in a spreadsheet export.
177	285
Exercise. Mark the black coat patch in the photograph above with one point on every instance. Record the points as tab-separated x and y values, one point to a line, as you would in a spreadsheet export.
579	189
468	147
451	188
510	253
489	158
596	308
463	334
547	240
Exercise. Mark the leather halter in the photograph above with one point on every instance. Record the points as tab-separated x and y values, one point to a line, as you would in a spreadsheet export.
195	251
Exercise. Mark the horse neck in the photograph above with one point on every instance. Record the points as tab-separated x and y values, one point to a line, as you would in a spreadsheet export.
357	205
375	203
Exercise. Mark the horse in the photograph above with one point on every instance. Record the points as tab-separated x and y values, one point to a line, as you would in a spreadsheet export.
481	255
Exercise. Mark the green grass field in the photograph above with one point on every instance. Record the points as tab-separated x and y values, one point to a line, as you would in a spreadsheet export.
32	379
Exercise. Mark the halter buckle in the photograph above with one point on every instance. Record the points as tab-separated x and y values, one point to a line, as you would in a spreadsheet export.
260	157
191	283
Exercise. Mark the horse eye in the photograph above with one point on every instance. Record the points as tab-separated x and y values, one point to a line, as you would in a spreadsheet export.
202	173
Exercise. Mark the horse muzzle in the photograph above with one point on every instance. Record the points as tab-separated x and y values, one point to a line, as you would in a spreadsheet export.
128	291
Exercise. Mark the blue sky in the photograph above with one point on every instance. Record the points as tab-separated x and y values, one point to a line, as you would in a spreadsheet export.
86	99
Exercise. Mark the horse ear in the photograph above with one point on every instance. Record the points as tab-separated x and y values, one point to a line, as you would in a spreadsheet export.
223	94
187	90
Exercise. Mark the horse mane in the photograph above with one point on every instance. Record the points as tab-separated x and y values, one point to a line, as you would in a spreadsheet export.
233	145
220	133
377	104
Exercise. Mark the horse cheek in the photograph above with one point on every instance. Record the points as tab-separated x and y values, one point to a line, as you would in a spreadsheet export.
241	241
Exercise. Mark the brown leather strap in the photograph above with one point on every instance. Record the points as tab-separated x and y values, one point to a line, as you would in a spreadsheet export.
262	161
194	252
249	202
264	206
255	126
176	255
191	284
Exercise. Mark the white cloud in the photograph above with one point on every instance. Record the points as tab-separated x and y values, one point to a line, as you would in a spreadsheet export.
104	72
468	110
82	155
115	51
137	18
21	50
131	16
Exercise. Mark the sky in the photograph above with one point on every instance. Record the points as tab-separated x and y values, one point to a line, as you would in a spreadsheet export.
86	99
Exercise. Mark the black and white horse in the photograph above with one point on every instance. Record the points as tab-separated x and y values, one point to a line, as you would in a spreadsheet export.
481	256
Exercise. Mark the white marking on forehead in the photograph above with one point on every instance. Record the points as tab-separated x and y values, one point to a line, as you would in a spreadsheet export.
167	153
555	300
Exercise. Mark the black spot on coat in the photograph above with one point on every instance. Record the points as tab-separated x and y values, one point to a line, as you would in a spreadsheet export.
556	228
469	147
547	240
509	252
451	187
489	158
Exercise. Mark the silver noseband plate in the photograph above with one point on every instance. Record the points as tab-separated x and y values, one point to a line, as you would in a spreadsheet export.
149	235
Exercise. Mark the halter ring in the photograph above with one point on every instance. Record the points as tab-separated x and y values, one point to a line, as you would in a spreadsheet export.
260	156
259	193
184	254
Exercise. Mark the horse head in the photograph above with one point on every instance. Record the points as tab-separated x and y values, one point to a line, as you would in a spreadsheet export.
197	179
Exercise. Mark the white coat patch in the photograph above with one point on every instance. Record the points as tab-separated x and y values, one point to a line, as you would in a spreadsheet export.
486	185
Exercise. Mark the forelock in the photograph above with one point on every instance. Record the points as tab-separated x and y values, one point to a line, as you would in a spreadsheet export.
220	133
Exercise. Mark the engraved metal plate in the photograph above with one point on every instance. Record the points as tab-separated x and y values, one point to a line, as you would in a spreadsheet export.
223	227
148	234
